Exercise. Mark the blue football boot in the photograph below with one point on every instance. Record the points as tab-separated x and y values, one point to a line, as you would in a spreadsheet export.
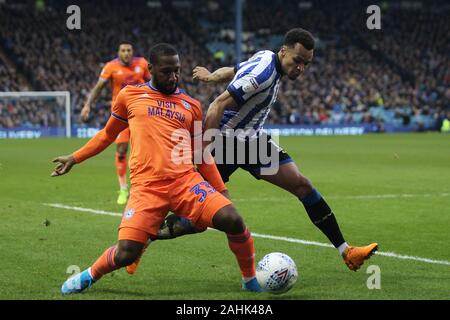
251	285
78	282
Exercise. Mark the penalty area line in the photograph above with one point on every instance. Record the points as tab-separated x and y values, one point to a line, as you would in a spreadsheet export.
263	236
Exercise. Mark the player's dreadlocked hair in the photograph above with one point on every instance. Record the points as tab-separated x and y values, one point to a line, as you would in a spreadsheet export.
161	49
299	35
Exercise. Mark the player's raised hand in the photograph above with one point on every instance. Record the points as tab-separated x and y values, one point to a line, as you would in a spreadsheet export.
85	112
200	74
64	164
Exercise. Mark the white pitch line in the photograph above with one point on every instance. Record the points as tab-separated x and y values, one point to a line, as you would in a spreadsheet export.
399	256
94	211
357	197
392	196
386	254
264	236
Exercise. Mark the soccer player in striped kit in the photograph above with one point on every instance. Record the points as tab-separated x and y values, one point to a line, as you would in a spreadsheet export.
239	113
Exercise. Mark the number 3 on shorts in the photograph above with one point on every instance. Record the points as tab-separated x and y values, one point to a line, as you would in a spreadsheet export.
199	191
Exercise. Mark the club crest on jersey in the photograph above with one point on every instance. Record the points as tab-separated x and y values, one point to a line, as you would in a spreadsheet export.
129	213
249	84
186	105
137	69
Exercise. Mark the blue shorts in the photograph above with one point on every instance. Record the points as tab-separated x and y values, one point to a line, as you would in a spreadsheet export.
251	155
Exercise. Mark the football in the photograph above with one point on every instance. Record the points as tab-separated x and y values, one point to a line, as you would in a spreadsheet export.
276	273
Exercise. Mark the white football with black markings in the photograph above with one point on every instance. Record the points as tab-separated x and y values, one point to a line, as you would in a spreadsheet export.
276	273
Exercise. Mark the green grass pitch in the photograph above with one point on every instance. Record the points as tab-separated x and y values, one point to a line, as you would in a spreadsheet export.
407	179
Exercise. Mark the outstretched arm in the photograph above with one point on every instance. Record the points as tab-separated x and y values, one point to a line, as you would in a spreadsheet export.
212	121
93	96
224	74
202	156
208	170
97	144
217	108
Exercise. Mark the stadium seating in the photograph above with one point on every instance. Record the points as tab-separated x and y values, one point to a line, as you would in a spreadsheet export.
398	76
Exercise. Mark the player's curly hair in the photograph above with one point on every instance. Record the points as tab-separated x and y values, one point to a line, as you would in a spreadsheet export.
299	35
161	49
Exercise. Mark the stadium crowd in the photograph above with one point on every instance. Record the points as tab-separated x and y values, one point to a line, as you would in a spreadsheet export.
396	76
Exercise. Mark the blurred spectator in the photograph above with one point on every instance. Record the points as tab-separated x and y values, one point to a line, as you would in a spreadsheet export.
397	76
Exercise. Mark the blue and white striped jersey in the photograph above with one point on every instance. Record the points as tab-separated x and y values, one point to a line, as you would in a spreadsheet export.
254	88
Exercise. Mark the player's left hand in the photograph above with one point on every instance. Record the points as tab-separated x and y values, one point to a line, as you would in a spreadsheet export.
84	115
64	164
200	74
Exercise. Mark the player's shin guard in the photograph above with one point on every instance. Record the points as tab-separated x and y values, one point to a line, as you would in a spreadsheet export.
244	250
105	264
121	169
321	215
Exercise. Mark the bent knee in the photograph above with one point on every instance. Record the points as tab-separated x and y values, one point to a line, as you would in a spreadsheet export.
236	224
229	221
302	187
125	258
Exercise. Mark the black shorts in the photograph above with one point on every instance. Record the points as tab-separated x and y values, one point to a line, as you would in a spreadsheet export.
251	155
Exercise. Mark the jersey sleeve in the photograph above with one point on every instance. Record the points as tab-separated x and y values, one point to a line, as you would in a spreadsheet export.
106	72
100	141
246	84
250	78
242	89
119	107
237	66
116	123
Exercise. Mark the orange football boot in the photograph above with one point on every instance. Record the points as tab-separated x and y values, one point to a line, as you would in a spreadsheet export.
354	257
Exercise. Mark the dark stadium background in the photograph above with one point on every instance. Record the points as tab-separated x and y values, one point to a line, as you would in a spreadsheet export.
393	79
